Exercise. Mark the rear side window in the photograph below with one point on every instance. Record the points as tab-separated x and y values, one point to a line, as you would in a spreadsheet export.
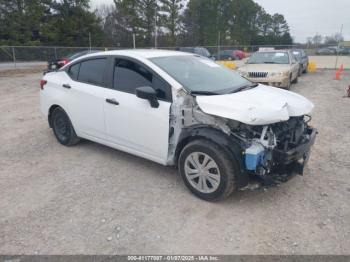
74	71
92	71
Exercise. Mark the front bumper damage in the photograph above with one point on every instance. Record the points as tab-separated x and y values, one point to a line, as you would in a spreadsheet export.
287	164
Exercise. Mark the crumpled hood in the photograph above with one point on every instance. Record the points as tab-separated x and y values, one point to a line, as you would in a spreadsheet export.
261	105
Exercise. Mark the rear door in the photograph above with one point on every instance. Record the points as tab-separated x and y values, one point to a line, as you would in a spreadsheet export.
131	123
86	87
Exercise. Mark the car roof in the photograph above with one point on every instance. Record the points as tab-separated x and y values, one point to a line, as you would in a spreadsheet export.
144	53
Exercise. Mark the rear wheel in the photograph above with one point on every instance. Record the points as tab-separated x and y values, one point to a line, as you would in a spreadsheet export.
63	128
207	170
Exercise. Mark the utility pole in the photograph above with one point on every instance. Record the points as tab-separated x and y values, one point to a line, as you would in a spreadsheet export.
90	41
133	41
155	26
336	60
14	57
219	45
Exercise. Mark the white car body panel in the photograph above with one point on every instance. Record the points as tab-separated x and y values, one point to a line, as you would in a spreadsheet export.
82	102
261	105
134	124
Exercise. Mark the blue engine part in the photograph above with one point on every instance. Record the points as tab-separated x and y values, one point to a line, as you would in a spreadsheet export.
255	156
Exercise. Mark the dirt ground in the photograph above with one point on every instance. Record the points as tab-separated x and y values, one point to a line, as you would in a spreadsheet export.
91	199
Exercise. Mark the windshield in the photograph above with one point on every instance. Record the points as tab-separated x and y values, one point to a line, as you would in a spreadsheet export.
201	75
269	58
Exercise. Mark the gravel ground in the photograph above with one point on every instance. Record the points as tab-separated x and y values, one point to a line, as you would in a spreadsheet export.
91	199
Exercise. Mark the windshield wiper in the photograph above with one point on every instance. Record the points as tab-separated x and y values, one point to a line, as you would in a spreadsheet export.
271	62
208	93
246	87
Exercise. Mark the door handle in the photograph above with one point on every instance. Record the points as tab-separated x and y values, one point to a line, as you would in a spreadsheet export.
112	101
66	86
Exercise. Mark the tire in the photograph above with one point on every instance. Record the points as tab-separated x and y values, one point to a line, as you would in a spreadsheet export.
63	128
221	166
295	80
289	83
300	71
305	70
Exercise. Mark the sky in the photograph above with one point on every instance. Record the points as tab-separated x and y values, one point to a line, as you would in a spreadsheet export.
305	17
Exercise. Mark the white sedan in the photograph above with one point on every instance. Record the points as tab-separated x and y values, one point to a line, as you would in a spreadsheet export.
181	109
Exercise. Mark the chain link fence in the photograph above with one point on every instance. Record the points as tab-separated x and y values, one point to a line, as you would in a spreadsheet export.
17	54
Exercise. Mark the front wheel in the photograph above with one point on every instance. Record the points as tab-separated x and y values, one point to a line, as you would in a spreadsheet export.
295	81
289	83
305	69
207	170
300	71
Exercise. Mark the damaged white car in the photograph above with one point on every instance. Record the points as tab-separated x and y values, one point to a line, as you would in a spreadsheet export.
174	108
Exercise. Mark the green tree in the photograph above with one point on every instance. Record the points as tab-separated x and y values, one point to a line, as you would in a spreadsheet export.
170	18
240	22
148	11
72	23
22	22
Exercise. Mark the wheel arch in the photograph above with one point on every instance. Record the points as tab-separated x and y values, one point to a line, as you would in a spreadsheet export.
51	109
228	143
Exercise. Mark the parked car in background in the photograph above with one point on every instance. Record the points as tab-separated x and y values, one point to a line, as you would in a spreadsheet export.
225	55
232	54
302	58
202	51
240	54
340	50
60	62
277	68
183	110
325	51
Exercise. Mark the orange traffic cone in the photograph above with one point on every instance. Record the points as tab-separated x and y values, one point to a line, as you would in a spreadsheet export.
339	72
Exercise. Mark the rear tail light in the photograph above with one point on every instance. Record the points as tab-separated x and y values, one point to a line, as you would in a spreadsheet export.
63	62
42	83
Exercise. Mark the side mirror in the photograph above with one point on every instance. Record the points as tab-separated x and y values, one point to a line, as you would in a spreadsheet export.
148	93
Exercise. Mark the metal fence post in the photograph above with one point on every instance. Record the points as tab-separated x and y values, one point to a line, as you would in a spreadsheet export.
14	57
219	36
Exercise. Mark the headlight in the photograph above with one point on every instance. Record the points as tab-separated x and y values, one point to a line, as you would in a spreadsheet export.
286	73
279	74
243	73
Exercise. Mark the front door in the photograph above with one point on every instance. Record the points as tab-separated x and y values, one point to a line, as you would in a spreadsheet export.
131	123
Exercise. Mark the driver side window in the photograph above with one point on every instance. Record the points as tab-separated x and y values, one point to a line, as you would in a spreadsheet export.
129	75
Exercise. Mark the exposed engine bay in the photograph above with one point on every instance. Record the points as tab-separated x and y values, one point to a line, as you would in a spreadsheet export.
271	152
267	147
